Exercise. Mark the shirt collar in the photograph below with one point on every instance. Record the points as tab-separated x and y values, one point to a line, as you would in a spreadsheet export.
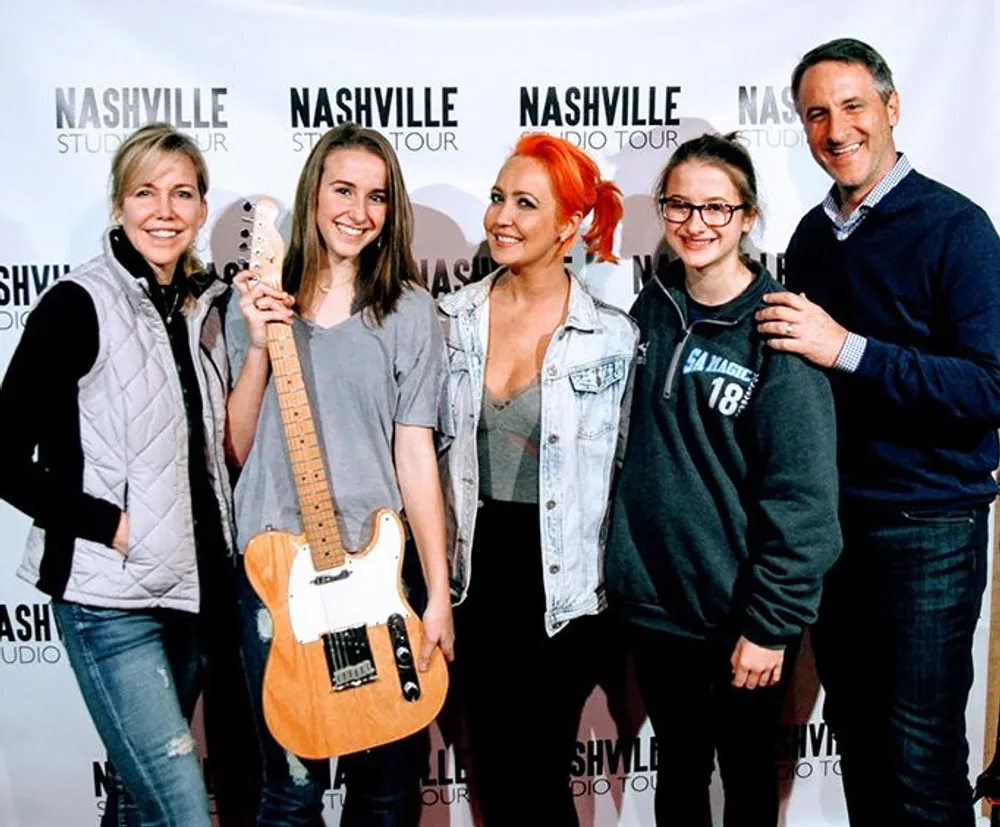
843	226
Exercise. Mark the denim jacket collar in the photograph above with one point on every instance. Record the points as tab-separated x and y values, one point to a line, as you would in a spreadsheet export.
581	315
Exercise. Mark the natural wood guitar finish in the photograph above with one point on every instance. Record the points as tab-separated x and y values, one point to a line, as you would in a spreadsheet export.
341	674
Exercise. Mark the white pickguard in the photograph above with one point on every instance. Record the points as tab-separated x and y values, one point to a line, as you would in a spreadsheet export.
367	595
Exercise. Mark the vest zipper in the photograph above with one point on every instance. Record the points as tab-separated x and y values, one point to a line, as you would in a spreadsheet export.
125	512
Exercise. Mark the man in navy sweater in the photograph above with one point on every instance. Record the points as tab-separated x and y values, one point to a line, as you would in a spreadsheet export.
895	289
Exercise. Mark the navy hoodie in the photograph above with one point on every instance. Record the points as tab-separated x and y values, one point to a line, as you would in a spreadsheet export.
724	518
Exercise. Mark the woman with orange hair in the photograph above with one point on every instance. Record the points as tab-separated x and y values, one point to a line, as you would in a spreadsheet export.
538	369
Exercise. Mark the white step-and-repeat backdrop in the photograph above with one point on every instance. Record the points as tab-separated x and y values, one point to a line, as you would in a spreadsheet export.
452	84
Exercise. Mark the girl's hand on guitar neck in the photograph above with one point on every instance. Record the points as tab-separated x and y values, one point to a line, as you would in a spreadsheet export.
439	630
260	305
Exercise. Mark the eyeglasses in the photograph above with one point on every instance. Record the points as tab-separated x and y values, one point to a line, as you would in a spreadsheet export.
716	214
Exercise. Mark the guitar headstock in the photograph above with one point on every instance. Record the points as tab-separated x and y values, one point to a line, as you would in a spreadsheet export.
264	244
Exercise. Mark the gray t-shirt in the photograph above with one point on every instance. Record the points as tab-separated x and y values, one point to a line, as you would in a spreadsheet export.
361	378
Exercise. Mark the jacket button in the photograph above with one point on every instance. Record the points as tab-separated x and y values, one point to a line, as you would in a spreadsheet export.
553	439
553	370
550	504
553	569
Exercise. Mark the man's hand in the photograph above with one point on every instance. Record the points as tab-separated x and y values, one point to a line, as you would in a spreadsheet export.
796	325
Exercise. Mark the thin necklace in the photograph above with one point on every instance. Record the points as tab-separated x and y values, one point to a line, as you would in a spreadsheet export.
326	288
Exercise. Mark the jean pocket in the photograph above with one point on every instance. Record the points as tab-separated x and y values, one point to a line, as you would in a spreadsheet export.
86	620
939	516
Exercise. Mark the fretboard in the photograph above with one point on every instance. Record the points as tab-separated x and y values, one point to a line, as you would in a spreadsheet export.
315	501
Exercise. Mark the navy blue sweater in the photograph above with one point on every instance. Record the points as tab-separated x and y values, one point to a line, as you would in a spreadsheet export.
920	278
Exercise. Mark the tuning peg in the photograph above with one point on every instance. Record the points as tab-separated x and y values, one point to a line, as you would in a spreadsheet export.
244	246
245	233
247	206
247	219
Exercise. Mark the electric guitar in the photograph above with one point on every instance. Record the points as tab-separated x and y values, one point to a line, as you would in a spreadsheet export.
341	675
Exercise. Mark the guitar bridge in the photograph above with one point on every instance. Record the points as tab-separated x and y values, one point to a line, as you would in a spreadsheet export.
349	658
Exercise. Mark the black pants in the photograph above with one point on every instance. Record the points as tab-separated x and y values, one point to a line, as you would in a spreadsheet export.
233	760
523	691
696	712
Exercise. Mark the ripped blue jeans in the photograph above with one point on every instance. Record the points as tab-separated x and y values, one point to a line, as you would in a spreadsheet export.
383	784
139	672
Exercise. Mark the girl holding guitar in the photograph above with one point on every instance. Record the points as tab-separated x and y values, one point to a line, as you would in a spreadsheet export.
538	369
371	356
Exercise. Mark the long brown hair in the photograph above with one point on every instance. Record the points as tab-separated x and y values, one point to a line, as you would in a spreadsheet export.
386	265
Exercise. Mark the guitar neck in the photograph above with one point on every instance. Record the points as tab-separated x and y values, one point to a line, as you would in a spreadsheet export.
315	501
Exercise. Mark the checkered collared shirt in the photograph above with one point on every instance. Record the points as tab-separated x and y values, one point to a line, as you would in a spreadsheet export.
844	226
854	346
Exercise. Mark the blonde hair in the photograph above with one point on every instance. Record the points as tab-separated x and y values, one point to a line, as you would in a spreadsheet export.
141	150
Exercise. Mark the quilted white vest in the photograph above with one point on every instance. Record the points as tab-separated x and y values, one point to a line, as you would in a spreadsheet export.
134	436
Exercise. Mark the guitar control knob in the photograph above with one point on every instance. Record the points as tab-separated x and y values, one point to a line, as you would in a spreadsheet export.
404	656
411	691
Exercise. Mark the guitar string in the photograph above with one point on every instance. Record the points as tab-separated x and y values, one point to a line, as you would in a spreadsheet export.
285	362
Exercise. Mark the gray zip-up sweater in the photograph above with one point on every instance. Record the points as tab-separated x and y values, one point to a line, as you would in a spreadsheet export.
724	520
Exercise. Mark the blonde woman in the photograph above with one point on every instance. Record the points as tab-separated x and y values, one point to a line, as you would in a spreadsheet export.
115	402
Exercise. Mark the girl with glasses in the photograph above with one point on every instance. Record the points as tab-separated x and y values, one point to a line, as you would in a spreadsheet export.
724	518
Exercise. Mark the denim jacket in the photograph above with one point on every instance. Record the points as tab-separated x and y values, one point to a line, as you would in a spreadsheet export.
584	377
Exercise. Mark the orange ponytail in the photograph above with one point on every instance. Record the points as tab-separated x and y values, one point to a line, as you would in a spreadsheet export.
600	236
578	187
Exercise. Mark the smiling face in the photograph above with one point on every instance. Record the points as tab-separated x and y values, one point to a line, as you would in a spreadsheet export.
162	211
848	126
702	248
352	203
522	222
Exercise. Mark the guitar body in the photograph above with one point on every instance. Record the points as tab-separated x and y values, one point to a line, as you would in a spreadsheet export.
337	679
